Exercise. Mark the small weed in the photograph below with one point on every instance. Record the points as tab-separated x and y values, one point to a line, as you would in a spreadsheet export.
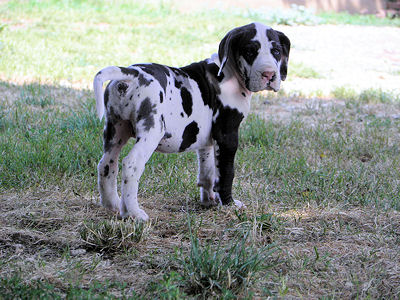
169	287
113	235
213	269
259	224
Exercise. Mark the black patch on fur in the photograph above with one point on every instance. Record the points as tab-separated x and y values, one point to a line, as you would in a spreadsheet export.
106	170
167	135
161	97
225	131
276	49
144	81
178	72
108	136
187	101
178	84
189	136
111	161
146	112
280	49
129	71
234	42
106	95
182	115
250	51
122	87
197	72
243	94
159	72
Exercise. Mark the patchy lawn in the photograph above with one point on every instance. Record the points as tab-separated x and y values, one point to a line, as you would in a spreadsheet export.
317	167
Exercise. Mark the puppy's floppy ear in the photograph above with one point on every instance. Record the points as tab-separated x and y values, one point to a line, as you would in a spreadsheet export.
225	48
285	44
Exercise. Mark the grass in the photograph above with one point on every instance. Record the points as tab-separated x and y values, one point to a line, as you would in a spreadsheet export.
367	96
113	235
358	19
303	71
318	182
211	269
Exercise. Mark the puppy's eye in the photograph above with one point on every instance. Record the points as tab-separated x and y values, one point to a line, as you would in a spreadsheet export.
250	52
275	51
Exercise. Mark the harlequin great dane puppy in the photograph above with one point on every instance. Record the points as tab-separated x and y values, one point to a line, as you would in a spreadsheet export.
197	107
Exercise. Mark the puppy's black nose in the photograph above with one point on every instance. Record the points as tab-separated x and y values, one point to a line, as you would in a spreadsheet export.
268	74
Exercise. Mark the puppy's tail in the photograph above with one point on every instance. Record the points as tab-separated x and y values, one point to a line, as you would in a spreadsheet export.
109	73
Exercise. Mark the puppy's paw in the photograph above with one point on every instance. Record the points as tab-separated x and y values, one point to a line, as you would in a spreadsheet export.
139	215
208	198
111	205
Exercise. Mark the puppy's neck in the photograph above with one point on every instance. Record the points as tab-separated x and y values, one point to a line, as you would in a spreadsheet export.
231	74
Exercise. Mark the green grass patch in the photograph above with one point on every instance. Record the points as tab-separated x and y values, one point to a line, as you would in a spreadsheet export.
45	145
303	71
75	35
356	19
368	96
15	287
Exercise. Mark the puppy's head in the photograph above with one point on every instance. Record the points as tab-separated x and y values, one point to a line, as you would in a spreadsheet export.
257	54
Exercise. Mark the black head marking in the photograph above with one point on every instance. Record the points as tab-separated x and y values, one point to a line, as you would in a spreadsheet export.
280	49
233	42
161	97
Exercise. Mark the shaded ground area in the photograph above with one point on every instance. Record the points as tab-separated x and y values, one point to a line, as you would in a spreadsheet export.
342	251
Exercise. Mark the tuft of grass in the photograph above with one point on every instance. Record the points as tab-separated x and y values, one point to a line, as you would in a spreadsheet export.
259	224
303	71
367	96
113	235
210	269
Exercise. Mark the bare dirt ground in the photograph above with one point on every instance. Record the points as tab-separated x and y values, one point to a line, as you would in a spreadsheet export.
357	56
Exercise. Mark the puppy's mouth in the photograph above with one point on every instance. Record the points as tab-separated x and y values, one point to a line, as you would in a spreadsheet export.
268	84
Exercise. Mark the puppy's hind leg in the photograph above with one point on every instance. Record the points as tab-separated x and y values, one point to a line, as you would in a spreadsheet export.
115	137
132	168
206	176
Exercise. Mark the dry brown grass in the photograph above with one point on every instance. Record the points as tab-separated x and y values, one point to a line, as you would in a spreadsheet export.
346	252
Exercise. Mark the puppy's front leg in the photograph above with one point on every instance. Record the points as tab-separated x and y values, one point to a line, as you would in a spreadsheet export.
225	147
